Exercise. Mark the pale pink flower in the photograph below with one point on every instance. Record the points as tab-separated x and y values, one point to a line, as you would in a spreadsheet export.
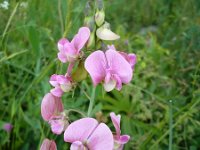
110	67
119	139
52	112
88	134
48	145
70	51
131	58
61	84
7	127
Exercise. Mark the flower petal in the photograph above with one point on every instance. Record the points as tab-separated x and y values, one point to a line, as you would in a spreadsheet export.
119	65
81	38
61	44
110	85
80	130
77	146
53	80
101	138
95	64
116	122
57	91
48	145
62	57
106	34
132	59
57	126
123	139
50	106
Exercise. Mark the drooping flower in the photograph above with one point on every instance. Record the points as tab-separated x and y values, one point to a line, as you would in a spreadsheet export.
52	112
7	127
104	33
61	84
131	58
109	67
88	134
119	139
48	145
71	51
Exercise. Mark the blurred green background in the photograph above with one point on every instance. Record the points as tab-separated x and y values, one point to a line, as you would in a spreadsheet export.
165	35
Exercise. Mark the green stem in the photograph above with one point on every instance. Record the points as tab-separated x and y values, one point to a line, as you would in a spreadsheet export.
77	111
170	125
91	102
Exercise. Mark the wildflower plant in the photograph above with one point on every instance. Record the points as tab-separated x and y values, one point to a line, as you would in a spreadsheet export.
105	65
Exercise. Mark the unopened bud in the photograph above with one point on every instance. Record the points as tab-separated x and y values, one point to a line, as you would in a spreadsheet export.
80	73
99	17
104	33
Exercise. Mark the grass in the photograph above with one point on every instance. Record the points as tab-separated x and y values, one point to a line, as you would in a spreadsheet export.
165	35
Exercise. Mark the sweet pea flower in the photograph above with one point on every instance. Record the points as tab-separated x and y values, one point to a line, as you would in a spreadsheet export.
119	139
61	84
7	127
70	51
109	67
88	134
48	145
131	58
52	112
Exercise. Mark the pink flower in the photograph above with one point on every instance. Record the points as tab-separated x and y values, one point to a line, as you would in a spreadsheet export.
48	145
70	51
131	58
109	67
52	111
61	84
88	134
119	139
7	127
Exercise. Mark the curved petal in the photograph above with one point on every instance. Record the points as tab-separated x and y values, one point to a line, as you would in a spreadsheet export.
95	64
123	139
80	130
119	65
50	106
61	44
57	91
62	57
101	138
77	146
132	59
53	80
116	122
57	126
48	145
81	38
110	85
119	82
106	34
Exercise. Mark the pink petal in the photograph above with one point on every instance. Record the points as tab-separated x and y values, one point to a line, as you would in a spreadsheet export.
62	57
80	130
119	82
116	122
132	59
110	85
123	139
111	47
62	79
53	80
101	138
61	44
77	146
57	91
95	64
50	106
48	145
57	126
81	38
119	66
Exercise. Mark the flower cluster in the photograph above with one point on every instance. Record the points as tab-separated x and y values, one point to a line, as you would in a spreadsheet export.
108	66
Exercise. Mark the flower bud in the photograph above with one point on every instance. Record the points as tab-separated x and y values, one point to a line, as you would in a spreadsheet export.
7	127
99	17
48	145
51	106
80	73
104	33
